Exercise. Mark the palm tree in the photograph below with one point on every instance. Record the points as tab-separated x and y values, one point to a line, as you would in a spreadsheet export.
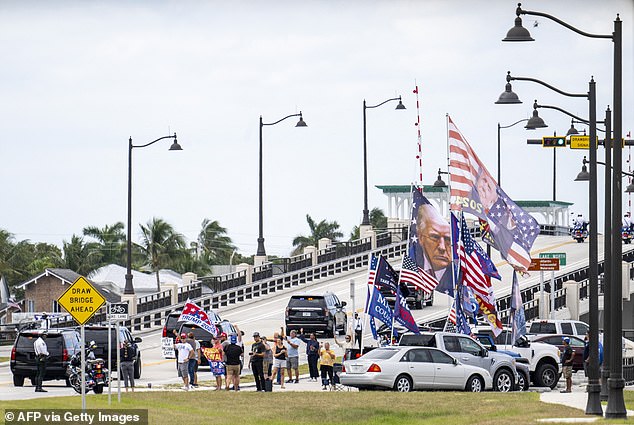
378	220
320	230
79	256
161	245
214	242
111	242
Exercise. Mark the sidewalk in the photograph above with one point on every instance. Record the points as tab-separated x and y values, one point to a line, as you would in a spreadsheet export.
577	399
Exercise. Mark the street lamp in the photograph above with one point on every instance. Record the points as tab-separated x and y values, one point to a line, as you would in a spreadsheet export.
129	287
594	386
439	181
499	163
366	214
261	252
616	403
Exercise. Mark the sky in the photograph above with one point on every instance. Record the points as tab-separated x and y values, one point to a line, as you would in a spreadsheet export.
81	77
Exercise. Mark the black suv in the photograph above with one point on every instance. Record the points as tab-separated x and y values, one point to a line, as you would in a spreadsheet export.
204	337
316	313
99	334
61	345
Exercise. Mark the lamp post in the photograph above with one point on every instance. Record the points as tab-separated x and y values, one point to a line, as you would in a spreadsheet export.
129	287
593	406
366	215
439	181
616	383
261	252
499	164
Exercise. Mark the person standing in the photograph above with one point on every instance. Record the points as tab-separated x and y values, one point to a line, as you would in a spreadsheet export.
257	360
41	354
233	354
566	362
346	344
327	360
127	354
183	358
279	359
194	359
312	353
292	363
357	325
268	358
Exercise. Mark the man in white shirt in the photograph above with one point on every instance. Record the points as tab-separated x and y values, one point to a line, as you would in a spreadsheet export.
41	354
627	221
184	349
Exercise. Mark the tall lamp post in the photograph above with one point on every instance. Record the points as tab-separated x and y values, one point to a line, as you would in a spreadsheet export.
593	406
129	287
366	214
261	252
499	164
616	383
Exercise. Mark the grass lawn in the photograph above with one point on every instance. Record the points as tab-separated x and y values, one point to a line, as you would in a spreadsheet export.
332	408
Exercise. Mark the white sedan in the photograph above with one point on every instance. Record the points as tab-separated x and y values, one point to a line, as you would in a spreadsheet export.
411	368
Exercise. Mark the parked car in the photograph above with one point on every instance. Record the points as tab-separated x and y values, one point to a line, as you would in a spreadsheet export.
61	344
544	359
406	369
99	334
553	326
471	352
204	337
576	343
316	313
522	364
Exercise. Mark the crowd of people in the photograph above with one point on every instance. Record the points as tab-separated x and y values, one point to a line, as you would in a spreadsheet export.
272	362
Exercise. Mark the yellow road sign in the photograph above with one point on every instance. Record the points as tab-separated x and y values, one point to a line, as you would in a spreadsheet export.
81	300
581	142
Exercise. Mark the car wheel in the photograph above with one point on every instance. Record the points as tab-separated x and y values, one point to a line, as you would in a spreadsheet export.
403	384
475	384
418	305
503	381
547	376
98	389
137	368
522	382
18	380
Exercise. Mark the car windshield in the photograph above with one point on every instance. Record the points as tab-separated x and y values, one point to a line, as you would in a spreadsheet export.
380	354
306	301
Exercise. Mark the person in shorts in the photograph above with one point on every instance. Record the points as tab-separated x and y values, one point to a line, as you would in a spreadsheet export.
233	353
292	362
183	358
279	359
566	362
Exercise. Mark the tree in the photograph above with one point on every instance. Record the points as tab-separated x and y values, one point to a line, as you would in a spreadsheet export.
378	220
161	245
112	242
214	243
80	256
320	230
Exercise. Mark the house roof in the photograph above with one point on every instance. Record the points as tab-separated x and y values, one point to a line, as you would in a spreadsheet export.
144	282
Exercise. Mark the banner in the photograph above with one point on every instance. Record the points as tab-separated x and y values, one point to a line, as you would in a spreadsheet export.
167	348
197	316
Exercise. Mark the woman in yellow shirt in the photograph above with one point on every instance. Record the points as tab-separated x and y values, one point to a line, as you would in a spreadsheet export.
326	361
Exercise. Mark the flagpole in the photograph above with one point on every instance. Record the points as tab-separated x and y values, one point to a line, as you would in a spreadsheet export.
453	242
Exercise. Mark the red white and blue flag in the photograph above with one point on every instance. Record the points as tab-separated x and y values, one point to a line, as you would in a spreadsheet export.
474	191
415	275
196	315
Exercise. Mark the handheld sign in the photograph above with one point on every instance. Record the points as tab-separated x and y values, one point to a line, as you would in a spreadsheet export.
81	300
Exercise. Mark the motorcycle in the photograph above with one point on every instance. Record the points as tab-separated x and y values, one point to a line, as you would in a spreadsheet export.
626	235
96	373
579	234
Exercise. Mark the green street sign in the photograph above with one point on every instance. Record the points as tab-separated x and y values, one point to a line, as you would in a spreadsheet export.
560	255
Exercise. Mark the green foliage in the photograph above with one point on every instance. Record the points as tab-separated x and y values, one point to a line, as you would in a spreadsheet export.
216	246
378	220
323	229
111	242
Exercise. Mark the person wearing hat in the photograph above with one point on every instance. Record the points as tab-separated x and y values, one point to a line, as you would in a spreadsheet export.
127	354
183	358
257	361
233	352
41	354
566	362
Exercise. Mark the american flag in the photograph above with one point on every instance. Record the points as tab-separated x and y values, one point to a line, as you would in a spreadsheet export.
414	275
473	274
512	229
372	267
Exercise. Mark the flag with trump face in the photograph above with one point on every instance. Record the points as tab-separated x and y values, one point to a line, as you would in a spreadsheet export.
474	191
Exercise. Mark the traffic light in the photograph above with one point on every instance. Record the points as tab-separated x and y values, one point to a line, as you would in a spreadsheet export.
554	142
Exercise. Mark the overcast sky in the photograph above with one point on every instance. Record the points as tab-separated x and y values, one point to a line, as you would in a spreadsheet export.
78	78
